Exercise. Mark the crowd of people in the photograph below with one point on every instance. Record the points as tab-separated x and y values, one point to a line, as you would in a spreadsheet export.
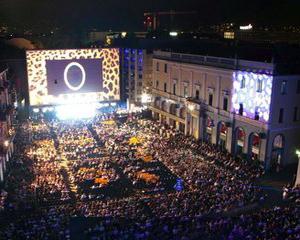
49	184
125	174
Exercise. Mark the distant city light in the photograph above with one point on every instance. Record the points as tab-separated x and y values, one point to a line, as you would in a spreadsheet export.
229	35
173	34
247	27
123	34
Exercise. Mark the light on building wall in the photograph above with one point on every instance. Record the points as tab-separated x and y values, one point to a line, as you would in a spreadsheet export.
6	143
248	95
173	34
123	34
191	107
146	98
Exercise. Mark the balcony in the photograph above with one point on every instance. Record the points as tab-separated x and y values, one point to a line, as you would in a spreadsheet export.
167	114
168	95
160	93
195	100
250	121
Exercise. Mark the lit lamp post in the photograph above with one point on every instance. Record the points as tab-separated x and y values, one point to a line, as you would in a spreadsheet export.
6	143
298	171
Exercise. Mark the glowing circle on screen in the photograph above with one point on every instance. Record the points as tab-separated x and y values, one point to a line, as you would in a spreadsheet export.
74	88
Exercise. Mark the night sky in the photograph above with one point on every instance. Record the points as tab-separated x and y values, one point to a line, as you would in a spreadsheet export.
129	13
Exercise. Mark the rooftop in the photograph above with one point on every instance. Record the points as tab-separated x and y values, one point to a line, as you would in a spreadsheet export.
271	58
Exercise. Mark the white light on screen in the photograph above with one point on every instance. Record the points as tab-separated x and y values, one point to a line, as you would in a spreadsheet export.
75	111
249	97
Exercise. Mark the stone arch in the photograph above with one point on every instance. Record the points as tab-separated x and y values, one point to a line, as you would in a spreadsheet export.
254	146
164	106
157	102
182	112
222	131
209	124
173	108
239	140
277	153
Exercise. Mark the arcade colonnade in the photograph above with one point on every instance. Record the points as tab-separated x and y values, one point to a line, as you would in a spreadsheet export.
5	156
224	129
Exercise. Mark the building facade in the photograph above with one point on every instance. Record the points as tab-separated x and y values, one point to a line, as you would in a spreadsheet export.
7	132
136	69
244	107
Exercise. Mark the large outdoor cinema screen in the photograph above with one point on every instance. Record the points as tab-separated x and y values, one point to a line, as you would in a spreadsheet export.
73	76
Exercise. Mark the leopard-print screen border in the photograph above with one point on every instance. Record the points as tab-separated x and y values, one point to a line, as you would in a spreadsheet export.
37	78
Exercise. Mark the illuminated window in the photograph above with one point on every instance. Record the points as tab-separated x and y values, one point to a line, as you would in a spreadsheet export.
259	85
243	82
280	120
229	35
210	99
283	87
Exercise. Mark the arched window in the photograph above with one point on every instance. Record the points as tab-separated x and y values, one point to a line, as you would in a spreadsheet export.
173	109
240	140
182	112
164	106
254	146
278	142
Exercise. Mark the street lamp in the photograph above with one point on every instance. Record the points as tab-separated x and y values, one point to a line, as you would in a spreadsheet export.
298	171
6	143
